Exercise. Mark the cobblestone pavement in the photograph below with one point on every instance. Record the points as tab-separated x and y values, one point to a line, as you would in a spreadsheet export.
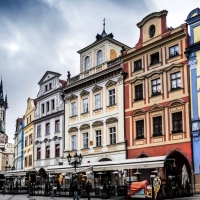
24	197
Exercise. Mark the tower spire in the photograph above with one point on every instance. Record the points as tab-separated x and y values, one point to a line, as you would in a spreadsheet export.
104	34
104	23
1	90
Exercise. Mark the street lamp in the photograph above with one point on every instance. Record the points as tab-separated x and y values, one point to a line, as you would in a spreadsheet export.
77	160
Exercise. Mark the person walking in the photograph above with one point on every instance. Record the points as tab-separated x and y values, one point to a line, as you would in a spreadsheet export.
88	189
75	190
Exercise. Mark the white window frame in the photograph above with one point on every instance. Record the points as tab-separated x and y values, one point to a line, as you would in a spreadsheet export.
112	97
99	57
87	63
85	140
112	132
85	105
97	101
98	138
73	142
73	108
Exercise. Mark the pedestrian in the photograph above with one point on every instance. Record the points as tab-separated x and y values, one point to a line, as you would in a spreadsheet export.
75	190
88	189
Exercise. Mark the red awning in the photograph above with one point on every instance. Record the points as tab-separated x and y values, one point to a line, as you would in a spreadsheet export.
137	186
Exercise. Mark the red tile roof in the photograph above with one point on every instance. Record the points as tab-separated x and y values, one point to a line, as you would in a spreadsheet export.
63	82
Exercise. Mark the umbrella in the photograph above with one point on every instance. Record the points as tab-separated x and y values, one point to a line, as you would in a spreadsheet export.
185	176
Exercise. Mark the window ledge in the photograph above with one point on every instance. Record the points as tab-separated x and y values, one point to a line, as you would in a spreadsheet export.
97	147
73	116
112	144
56	132
153	136
174	56
175	89
85	148
176	132
111	105
47	134
155	95
139	70
97	109
140	138
153	64
38	136
85	113
138	99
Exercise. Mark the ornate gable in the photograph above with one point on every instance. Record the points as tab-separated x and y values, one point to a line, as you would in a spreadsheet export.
110	83
176	102
84	126
111	120
96	88
138	112
156	107
84	92
97	123
47	76
73	129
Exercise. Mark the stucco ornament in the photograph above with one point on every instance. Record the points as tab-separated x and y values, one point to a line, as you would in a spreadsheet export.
193	64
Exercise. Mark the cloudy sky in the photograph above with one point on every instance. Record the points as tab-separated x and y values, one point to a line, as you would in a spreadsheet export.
41	35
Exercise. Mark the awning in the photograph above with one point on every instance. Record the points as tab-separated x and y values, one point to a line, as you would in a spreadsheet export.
15	173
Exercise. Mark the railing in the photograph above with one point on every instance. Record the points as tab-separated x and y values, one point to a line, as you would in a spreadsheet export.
74	79
114	62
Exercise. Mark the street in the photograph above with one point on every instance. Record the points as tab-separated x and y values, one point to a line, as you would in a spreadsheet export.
24	197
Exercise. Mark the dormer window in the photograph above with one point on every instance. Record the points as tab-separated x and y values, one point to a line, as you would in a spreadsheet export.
99	57
87	63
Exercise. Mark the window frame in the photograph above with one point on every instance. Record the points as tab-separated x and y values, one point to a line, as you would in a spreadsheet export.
87	63
97	101
30	139
52	104
85	140
30	160
98	137
176	53
175	79
85	105
139	129
57	128
179	120
39	131
47	153
42	108
38	153
154	60
57	150
73	109
155	85
157	121
26	141
73	142
47	129
112	132
99	57
139	91
111	96
47	106
136	68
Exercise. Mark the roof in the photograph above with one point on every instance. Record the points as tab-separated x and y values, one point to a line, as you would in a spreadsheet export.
48	72
20	120
63	82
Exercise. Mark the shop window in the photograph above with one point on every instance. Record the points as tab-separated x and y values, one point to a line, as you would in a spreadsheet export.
57	126
98	138
139	92
73	142
98	101
173	51
38	153
139	129
73	106
154	58
177	122
47	128
57	150
175	81
39	131
112	135
87	63
85	105
85	140
157	126
137	65
111	97
99	57
47	151
52	104
156	89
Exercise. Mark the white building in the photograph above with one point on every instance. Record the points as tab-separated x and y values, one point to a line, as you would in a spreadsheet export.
49	121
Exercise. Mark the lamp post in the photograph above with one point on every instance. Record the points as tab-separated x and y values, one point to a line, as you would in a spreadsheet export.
77	160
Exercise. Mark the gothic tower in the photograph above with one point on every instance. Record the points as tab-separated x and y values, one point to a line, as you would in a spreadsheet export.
3	108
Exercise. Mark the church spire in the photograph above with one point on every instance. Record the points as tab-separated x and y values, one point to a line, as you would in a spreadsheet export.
104	34
1	91
6	100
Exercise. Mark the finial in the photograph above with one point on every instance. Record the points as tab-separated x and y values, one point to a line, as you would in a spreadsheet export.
104	23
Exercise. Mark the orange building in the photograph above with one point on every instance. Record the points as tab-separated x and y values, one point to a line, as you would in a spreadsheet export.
157	110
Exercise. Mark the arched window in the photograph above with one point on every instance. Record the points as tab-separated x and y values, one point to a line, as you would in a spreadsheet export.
99	57
87	63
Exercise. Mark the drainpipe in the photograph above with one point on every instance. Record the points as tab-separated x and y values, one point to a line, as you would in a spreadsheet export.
124	74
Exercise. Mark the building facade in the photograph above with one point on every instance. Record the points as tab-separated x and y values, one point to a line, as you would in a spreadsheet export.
19	144
193	54
49	121
94	114
157	95
28	133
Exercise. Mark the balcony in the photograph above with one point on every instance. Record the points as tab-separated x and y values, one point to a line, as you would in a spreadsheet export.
114	62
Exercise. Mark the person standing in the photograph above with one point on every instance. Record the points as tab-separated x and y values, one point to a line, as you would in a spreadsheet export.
75	190
156	185
88	189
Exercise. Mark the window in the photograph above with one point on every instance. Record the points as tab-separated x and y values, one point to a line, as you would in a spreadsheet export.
30	160
47	128
39	131
85	105
26	141
99	57
47	104
87	63
155	87
177	122
111	97
154	58
157	126
47	151
98	101
173	51
176	80
42	108
85	140
6	162
57	150
98	138
6	155
112	135
73	108
57	126
46	88
139	129
73	142
38	153
137	65
30	139
25	161
138	92
52	104
50	86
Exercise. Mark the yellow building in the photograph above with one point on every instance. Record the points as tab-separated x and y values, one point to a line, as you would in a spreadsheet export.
28	134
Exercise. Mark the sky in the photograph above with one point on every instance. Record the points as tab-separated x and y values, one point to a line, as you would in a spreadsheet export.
44	35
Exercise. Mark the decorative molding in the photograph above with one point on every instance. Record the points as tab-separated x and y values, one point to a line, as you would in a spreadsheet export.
193	64
84	93
138	112
45	140
143	153
174	65
156	107
96	88
97	123
111	120
176	102
73	129
110	83
84	126
72	97
137	79
154	73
